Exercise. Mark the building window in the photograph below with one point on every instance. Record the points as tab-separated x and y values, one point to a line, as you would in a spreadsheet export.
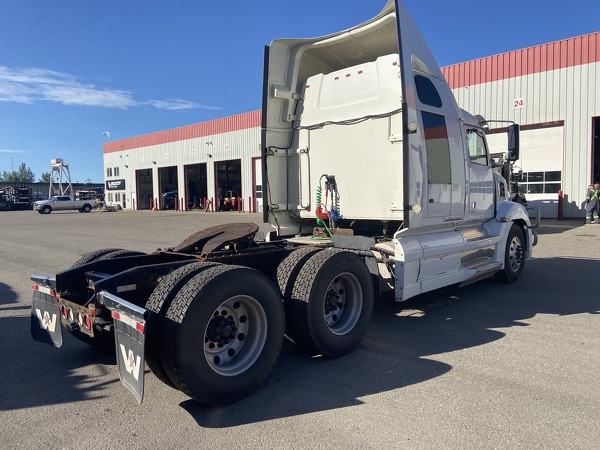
117	197
540	182
109	171
116	171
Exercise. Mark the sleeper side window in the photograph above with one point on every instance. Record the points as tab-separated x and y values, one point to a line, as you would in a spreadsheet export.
428	94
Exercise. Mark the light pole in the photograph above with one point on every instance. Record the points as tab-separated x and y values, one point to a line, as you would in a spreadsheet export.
107	134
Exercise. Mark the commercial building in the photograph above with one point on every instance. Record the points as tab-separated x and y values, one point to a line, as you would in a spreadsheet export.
550	89
211	164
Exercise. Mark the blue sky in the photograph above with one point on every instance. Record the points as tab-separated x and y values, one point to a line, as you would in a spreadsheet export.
72	69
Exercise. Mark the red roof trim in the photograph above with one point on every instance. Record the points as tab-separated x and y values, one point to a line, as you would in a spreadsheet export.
541	58
227	124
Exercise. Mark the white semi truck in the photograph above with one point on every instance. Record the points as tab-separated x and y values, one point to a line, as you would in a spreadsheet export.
375	180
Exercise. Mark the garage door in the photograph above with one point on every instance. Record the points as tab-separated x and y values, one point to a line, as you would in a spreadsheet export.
540	166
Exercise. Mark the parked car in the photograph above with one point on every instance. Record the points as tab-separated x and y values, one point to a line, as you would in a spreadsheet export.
168	200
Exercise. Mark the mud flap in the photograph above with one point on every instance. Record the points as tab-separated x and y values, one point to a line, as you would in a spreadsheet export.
45	313
130	323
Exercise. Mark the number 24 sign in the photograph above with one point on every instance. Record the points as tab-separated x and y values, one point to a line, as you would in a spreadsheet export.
518	103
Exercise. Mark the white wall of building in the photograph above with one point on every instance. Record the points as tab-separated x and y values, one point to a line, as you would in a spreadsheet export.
241	145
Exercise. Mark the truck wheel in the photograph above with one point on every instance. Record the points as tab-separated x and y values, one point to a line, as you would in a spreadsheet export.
287	274
332	303
47	209
93	256
159	302
86	208
224	331
120	254
514	256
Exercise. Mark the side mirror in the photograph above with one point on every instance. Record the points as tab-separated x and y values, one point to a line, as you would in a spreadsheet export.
513	142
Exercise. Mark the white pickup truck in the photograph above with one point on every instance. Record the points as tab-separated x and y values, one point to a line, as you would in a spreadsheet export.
62	203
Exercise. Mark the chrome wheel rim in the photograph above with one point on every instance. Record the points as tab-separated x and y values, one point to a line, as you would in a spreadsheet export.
343	303
515	254
235	335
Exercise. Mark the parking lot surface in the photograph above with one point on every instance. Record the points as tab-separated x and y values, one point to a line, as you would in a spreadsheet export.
488	365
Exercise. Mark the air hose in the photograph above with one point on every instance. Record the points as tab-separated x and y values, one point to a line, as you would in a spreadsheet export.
321	211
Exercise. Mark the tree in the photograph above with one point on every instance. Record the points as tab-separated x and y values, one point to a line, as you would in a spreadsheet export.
25	174
45	178
8	176
22	175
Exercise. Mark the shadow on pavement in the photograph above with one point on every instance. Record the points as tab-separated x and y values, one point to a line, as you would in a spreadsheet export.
7	294
402	339
398	351
553	226
35	374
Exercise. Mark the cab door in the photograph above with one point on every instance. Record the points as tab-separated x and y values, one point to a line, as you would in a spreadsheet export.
444	150
480	182
62	202
439	174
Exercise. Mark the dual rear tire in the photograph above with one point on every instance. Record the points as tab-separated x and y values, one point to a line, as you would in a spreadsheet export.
219	332
328	297
215	330
157	305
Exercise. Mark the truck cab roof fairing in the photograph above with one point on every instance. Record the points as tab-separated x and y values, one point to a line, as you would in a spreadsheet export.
306	57
388	32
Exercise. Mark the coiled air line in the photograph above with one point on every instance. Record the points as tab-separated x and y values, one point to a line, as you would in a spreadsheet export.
321	211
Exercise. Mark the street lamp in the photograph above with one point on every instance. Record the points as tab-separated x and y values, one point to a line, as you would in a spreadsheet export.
107	134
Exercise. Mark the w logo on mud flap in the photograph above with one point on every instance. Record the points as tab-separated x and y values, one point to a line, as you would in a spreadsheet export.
46	323
132	364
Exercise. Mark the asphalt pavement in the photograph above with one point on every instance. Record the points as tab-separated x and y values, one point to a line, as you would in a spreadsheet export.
486	366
